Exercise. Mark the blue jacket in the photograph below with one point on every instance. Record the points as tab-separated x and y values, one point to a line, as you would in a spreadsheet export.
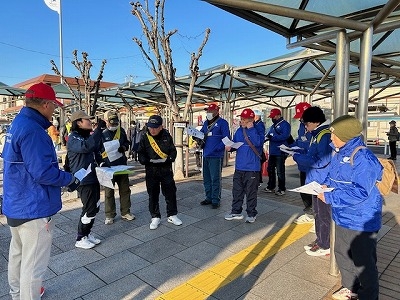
278	134
214	147
356	201
315	162
32	178
246	159
84	151
302	141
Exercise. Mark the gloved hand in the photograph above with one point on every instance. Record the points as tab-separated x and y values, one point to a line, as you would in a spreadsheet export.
73	185
101	124
121	149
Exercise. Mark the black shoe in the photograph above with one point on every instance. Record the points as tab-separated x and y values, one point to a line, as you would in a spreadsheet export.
205	202
214	206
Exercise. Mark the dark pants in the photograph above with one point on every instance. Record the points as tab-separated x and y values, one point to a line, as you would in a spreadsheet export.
156	176
322	215
307	198
393	149
212	172
124	196
355	253
276	162
245	183
90	197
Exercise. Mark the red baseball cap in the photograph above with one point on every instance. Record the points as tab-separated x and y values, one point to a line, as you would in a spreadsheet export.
212	107
300	108
247	113
42	91
274	112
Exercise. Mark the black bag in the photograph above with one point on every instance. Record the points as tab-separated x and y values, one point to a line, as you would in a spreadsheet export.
1	204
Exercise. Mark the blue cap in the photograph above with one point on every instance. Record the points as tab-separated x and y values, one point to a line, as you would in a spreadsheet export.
155	121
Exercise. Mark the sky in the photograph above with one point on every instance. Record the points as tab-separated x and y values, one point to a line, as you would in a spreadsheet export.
29	38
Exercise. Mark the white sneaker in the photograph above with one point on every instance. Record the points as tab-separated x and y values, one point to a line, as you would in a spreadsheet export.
304	219
84	243
317	251
250	219
93	240
344	294
174	220
230	217
128	217
154	223
310	245
109	221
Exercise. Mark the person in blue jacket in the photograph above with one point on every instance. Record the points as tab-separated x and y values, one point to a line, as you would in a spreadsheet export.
83	150
247	168
303	141
277	135
32	191
315	163
215	129
356	209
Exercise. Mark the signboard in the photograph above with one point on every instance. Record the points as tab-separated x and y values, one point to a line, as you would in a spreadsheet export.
180	124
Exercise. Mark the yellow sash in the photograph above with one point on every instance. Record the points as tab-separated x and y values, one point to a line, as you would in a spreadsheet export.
116	137
155	147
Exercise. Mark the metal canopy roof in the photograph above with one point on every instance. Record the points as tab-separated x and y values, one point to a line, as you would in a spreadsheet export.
7	90
308	20
303	73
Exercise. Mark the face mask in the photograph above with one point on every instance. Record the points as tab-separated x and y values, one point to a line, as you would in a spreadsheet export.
112	128
210	116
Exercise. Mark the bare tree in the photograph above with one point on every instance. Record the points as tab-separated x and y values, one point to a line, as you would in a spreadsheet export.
159	57
89	102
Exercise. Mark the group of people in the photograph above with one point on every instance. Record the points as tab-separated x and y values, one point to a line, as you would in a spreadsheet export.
33	181
336	158
327	154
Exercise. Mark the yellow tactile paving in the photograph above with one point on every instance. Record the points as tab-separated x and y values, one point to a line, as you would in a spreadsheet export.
207	282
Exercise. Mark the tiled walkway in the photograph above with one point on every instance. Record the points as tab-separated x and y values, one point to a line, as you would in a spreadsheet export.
209	256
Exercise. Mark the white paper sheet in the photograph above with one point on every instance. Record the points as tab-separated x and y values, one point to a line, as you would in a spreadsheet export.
312	188
228	142
111	148
289	150
82	173
105	175
194	132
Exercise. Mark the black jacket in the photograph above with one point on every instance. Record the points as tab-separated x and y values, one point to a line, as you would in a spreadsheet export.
166	145
108	135
81	152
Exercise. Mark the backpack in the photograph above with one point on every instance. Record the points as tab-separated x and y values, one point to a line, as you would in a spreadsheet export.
389	176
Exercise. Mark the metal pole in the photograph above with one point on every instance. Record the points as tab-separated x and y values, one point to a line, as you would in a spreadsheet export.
365	76
340	108
61	43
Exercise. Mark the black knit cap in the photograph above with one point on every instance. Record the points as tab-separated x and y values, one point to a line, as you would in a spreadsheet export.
314	114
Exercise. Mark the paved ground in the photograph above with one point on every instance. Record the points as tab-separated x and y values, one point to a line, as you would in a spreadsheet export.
205	258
